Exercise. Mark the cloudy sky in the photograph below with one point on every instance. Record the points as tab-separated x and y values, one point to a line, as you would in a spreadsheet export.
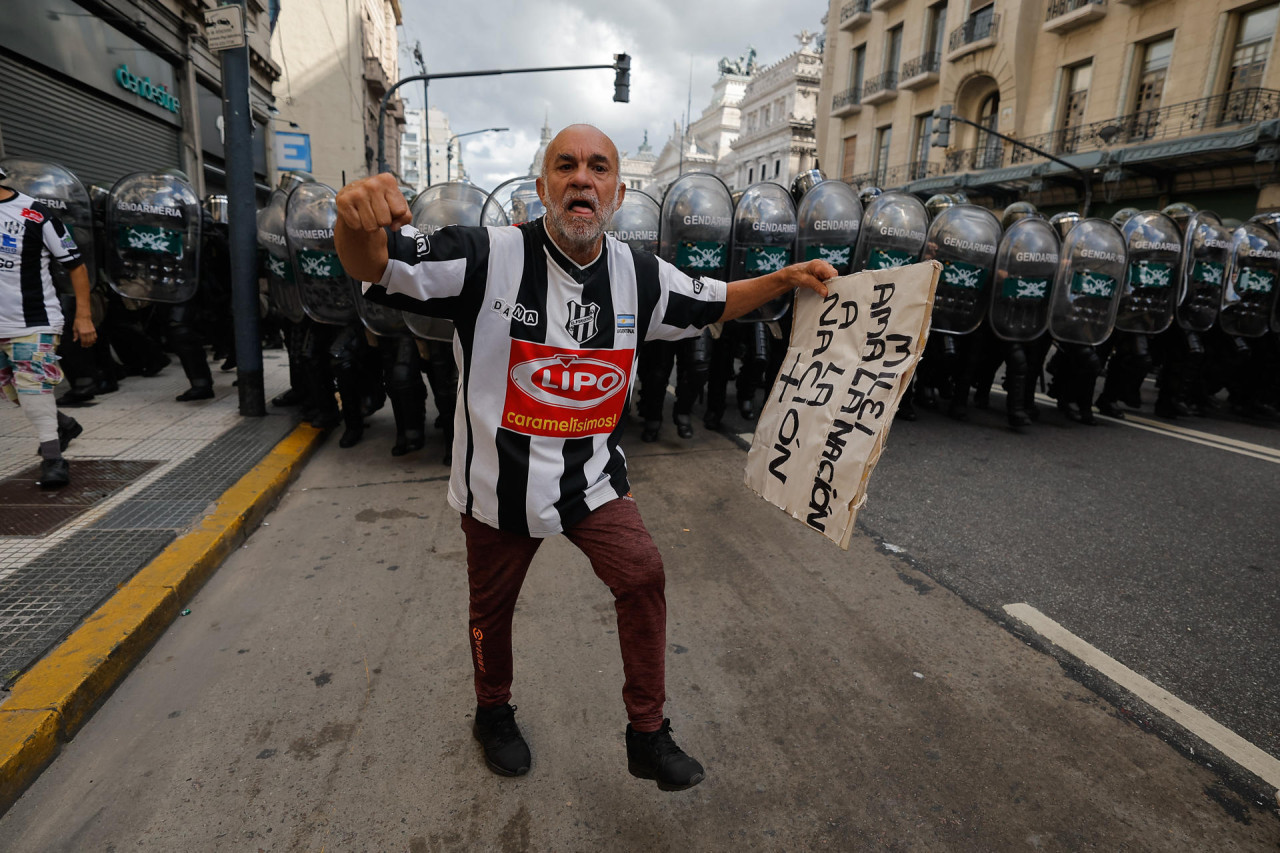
662	37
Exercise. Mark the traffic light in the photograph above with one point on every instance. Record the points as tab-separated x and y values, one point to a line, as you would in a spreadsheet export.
622	78
942	126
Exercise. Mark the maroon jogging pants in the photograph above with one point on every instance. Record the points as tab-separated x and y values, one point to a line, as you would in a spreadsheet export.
623	556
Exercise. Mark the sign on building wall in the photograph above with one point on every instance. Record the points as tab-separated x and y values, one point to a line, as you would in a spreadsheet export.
828	414
293	151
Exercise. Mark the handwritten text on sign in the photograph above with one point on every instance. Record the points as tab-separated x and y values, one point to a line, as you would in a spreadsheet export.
826	417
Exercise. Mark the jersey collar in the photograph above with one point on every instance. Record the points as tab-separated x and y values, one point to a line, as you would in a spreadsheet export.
578	272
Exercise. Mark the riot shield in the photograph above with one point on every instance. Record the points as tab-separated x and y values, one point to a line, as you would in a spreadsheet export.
1206	253
323	284
937	203
282	285
66	197
1017	211
636	222
964	238
1150	291
764	239
1022	290
153	238
457	203
1271	219
829	219
1086	291
697	220
1248	299
893	232
514	202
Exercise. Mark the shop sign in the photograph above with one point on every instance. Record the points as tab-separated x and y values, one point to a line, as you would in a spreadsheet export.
156	93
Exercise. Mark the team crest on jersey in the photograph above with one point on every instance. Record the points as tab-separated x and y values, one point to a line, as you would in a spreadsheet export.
697	287
422	243
564	393
34	215
581	324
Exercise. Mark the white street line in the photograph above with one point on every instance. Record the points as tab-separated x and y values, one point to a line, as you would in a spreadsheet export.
1195	433
1230	744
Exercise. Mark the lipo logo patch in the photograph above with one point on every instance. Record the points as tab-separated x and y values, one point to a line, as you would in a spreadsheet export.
565	393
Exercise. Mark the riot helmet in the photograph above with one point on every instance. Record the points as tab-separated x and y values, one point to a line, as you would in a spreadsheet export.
1086	291
1271	219
153	238
1063	222
1150	290
804	182
514	202
1248	300
764	240
1206	253
697	221
636	222
1121	216
964	238
323	284
894	227
828	221
937	203
216	206
61	191
1180	212
1016	211
289	181
1022	290
867	194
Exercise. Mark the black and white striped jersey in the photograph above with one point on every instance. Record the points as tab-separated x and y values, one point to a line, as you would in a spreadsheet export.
30	235
546	353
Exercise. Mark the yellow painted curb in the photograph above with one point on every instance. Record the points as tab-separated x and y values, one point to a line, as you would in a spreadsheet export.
50	703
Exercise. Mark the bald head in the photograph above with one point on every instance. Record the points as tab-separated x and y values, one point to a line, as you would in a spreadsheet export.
574	136
581	189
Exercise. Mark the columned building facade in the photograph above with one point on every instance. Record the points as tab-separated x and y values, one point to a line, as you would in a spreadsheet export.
1146	101
776	140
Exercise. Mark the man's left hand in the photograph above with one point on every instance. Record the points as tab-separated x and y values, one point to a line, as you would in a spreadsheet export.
83	332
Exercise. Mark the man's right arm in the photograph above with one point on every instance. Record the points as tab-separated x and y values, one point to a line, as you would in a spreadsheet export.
365	209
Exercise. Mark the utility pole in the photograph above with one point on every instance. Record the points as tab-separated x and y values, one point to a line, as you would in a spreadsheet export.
242	218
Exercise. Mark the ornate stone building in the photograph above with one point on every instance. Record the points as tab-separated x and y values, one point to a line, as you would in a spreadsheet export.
1146	101
776	140
706	145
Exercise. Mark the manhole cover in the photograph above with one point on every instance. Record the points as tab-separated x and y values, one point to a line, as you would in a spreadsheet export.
29	510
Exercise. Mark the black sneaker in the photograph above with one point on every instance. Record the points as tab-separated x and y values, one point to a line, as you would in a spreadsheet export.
654	755
54	473
505	750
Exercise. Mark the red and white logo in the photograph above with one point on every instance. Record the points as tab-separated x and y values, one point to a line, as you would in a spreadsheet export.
565	393
34	215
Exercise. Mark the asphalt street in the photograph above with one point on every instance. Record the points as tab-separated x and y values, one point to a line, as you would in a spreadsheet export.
318	695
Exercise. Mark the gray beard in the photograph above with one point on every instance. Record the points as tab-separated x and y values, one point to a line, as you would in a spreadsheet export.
579	234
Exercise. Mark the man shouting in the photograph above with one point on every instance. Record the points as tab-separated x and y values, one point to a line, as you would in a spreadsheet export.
549	316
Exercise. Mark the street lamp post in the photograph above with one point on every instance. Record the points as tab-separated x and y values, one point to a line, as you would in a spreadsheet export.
448	157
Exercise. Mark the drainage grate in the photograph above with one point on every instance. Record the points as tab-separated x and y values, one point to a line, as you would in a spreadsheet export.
29	510
43	601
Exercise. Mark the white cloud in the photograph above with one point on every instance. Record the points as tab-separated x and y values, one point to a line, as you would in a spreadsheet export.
663	37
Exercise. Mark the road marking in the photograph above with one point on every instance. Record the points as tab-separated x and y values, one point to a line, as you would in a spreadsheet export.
1230	744
1208	439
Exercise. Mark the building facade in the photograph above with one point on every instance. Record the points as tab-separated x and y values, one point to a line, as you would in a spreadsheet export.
637	169
110	87
339	58
1141	102
779	107
707	144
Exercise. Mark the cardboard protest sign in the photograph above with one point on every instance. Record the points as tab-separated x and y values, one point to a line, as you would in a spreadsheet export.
826	418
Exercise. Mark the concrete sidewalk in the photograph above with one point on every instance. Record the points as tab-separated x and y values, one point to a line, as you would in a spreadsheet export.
91	574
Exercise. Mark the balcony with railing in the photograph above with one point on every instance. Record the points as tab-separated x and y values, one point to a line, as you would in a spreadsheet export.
881	5
881	88
1066	15
974	159
974	34
854	14
847	103
1191	118
898	176
921	71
